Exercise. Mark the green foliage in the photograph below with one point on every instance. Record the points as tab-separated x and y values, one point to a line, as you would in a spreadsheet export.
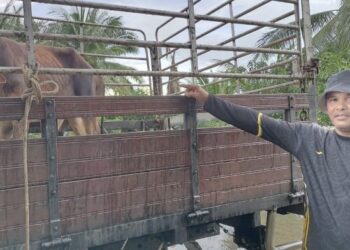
9	22
213	124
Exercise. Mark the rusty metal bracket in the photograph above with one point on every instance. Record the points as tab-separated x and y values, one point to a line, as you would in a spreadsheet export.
290	117
198	217
59	243
50	133
299	196
191	125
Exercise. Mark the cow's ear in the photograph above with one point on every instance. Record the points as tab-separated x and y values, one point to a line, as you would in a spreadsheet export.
2	79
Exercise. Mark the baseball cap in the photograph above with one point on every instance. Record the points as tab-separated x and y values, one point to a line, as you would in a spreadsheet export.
339	82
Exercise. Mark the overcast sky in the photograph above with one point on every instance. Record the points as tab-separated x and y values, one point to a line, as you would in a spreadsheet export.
149	23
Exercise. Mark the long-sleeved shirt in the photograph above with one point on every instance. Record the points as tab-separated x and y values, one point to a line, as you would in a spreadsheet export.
325	160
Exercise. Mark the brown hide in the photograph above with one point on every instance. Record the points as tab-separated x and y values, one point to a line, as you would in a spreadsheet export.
14	54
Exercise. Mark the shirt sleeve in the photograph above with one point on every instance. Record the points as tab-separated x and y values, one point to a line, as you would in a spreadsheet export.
281	133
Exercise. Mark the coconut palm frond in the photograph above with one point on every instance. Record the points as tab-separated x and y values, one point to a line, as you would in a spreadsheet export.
319	20
11	23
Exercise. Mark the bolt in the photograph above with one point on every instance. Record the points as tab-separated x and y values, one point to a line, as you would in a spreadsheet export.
54	192
50	115
52	157
55	228
49	102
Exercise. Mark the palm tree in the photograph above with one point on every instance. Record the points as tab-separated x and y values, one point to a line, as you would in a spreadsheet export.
9	22
333	29
330	31
113	29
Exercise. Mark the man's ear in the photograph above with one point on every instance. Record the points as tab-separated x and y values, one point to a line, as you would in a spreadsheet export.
2	79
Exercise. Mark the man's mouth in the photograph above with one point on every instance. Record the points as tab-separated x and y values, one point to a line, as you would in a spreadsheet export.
341	116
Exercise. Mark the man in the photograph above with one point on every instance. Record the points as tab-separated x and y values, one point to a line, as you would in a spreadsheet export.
324	155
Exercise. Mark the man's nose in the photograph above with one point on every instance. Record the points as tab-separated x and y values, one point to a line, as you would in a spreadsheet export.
341	105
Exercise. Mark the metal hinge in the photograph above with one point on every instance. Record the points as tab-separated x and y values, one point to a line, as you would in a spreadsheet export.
59	243
198	217
296	196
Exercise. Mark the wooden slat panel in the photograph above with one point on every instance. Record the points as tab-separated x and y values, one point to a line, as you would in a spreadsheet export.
241	166
210	137
93	156
82	201
15	235
66	107
244	180
229	153
245	193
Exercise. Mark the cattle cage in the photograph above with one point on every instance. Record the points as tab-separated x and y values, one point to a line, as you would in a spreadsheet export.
160	187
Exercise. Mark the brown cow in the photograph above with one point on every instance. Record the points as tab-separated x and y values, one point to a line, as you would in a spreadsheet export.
14	54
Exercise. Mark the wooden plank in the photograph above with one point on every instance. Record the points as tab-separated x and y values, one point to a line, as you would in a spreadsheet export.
242	166
101	156
246	193
67	107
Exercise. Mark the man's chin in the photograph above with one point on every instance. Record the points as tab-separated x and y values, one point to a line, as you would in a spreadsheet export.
343	130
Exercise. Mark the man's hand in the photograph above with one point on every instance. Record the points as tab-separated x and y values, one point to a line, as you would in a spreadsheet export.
196	92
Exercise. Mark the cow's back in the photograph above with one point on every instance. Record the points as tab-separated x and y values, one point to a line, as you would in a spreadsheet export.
15	55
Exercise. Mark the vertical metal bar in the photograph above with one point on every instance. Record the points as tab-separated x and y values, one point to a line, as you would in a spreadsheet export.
81	33
233	34
191	125
155	63
192	36
305	6
28	25
51	155
290	117
307	28
298	22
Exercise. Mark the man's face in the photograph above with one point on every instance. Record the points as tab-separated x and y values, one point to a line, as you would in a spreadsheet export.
338	109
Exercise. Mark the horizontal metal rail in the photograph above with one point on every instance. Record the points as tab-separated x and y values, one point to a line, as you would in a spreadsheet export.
184	28
235	38
133	9
77	22
113	56
274	65
149	44
234	58
285	84
225	61
218	26
116	85
172	18
70	71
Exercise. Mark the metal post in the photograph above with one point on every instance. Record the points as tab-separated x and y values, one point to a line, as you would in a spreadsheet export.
29	34
191	124
307	28
51	139
81	33
155	63
310	71
299	47
233	34
290	117
192	36
50	134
